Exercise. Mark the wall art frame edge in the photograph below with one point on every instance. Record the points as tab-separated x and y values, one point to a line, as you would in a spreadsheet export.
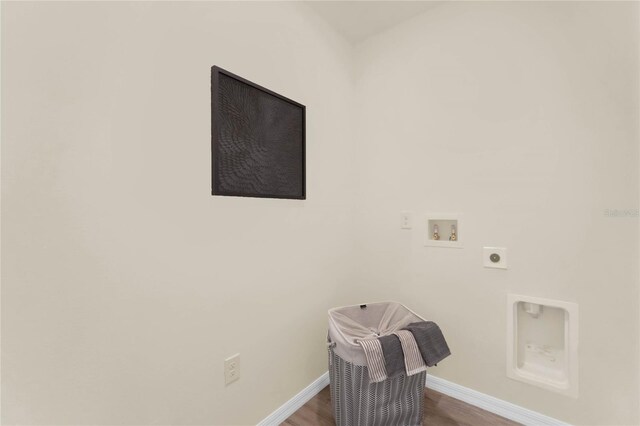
215	73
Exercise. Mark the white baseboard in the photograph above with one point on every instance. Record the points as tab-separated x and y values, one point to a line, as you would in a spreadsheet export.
491	404
470	396
291	406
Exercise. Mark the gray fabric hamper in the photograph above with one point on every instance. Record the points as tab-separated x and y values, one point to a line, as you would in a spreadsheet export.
397	401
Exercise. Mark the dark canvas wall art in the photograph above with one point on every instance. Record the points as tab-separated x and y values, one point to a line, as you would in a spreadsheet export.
258	140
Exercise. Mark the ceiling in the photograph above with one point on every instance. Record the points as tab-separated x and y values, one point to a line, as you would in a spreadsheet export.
357	20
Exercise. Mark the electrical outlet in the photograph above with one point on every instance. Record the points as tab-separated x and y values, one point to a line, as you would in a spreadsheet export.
494	257
406	220
231	369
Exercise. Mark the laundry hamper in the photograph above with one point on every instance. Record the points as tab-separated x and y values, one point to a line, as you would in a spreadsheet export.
396	401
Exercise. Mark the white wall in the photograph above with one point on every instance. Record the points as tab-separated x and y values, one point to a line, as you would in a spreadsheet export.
124	282
523	117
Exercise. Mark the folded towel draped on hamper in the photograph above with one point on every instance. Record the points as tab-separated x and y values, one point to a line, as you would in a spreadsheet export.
357	397
430	341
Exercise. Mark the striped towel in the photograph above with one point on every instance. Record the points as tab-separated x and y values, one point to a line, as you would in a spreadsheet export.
375	359
413	361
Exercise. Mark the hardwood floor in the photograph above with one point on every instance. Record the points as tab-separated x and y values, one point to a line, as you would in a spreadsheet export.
439	410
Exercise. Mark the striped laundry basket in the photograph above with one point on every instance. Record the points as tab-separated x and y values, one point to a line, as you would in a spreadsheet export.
396	401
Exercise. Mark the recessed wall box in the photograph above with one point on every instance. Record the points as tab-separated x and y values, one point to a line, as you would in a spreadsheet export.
542	343
443	230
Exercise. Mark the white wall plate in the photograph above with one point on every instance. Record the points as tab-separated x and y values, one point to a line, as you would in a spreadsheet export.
494	257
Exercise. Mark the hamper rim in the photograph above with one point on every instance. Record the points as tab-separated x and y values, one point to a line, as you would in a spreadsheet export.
388	302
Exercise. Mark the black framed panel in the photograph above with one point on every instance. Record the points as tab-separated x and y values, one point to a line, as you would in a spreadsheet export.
257	140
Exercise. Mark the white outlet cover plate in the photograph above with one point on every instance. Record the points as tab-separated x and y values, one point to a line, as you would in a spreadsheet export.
486	257
406	221
232	369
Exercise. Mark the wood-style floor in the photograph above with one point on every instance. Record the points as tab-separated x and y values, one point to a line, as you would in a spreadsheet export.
439	410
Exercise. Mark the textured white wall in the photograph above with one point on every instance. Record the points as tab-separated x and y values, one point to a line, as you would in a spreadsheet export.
523	117
124	282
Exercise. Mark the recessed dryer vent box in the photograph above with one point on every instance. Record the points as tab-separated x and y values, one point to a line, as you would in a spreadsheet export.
542	343
443	230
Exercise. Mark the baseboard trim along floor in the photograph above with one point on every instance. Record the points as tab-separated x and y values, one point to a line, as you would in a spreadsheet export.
291	406
493	405
489	403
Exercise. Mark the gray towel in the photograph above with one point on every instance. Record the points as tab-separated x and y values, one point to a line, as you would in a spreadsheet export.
430	340
393	355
